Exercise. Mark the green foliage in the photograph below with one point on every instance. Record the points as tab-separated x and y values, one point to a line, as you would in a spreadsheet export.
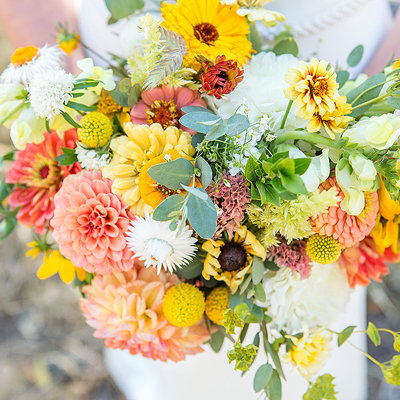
373	334
286	45
217	340
205	171
355	56
345	334
342	77
396	342
68	157
262	377
193	269
242	355
169	208
123	8
231	321
7	157
255	38
391	371
257	271
322	389
274	389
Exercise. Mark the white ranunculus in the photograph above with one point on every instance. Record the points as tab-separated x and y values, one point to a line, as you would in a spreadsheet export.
377	132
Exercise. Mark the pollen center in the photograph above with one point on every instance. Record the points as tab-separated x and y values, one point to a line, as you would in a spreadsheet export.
232	257
206	33
23	55
320	87
164	113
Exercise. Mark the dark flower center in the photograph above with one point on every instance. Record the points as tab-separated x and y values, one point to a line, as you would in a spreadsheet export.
206	33
44	172
166	191
320	88
164	113
233	257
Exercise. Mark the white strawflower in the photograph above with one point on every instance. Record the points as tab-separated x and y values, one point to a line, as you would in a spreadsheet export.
47	58
260	95
50	91
297	304
157	245
90	158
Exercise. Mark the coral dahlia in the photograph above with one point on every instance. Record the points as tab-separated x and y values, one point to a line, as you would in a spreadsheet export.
125	309
39	178
90	223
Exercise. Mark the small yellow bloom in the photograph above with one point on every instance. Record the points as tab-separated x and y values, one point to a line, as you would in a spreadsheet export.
66	40
96	129
310	353
230	262
313	88
217	303
34	251
323	249
55	262
396	64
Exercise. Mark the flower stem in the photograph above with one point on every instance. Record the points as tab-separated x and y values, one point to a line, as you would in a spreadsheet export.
289	106
307	137
366	355
367	90
374	100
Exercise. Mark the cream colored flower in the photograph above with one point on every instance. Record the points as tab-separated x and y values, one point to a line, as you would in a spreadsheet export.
131	153
89	71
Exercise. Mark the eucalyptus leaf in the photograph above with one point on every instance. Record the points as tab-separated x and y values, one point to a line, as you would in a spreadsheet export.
119	97
165	211
355	56
257	271
217	131
172	174
195	120
260	292
394	102
237	124
190	109
217	340
197	139
286	46
191	270
123	8
205	171
276	359
198	192
274	389
342	77
262	377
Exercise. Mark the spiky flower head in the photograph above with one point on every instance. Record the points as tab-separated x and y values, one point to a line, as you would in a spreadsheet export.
107	105
96	129
217	303
323	249
183	305
157	245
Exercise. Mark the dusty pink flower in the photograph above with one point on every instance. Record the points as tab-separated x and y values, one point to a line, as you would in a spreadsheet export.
90	222
363	263
125	309
232	196
163	105
347	229
293	256
39	178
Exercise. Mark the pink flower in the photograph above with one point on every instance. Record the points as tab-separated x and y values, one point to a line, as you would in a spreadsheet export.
39	178
125	309
293	256
90	222
232	196
363	263
163	105
347	229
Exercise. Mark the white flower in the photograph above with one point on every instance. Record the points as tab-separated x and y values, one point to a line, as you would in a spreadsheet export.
90	158
377	132
157	245
297	304
267	17
89	71
49	92
12	99
260	95
47	58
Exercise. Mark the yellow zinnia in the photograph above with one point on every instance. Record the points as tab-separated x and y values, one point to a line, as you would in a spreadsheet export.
313	88
210	29
132	152
231	261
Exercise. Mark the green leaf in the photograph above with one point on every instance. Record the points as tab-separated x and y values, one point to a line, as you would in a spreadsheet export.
285	167
262	377
275	358
190	109
237	124
271	265
134	95
236	299
205	171
197	139
70	120
257	271
199	121
255	38
202	215
256	315
294	184
301	165
355	56
260	292
172	173
169	208
286	46
81	107
217	131
119	97
394	102
274	389
251	166
68	157
342	77
201	194
191	270
5	190
123	8
373	334
345	334
245	284
217	340
322	389
125	85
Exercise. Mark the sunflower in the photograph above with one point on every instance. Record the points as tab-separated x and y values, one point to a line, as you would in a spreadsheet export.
210	29
231	261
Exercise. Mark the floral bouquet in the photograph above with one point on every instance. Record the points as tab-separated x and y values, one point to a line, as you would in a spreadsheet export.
207	183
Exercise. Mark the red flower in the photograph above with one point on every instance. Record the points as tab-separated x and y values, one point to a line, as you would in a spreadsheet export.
220	78
39	178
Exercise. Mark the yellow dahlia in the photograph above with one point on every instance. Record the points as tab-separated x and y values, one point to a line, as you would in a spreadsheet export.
217	303
230	262
310	353
132	152
183	305
96	129
210	29
323	249
313	88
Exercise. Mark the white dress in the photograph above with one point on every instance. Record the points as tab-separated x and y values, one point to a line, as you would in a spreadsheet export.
329	29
